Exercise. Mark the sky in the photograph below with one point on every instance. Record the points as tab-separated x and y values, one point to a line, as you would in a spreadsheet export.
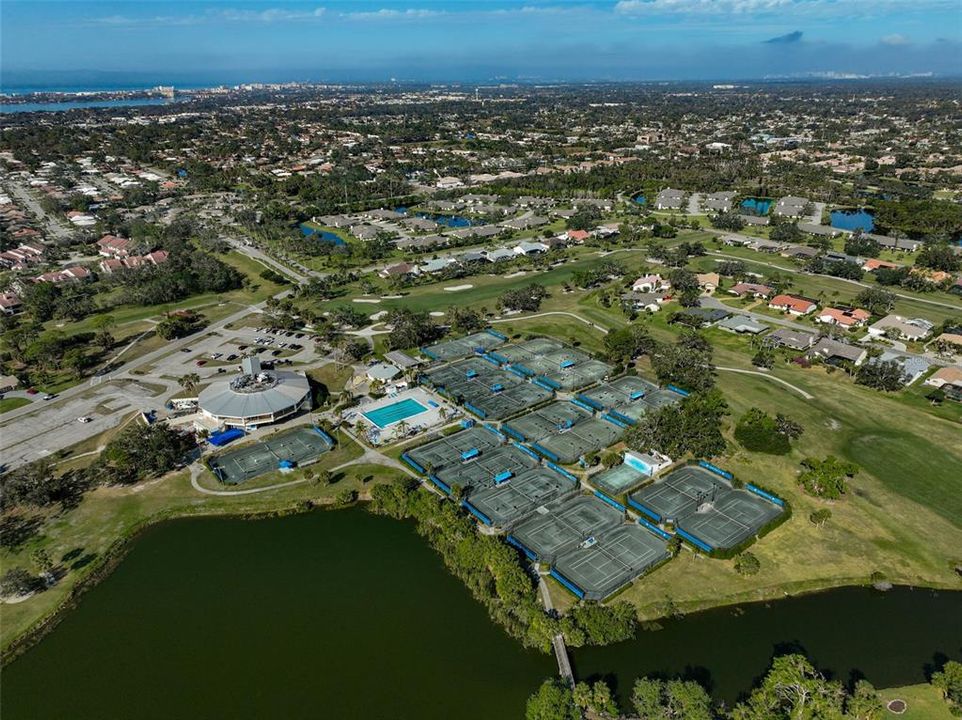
189	42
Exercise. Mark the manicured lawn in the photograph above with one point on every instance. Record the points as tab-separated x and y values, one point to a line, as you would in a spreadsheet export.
12	403
924	703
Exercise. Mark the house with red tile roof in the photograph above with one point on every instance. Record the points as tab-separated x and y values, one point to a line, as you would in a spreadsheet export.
113	246
77	272
10	303
112	265
792	305
844	317
873	264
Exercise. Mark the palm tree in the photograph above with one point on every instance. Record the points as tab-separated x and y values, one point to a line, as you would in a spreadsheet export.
402	427
189	381
443	413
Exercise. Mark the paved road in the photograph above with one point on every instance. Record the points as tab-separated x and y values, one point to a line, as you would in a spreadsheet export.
55	226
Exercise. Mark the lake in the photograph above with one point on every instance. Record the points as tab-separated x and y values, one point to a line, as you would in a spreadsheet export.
451	221
80	105
756	206
323	235
851	219
345	614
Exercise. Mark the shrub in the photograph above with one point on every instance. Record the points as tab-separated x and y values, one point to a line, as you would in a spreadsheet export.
747	564
757	431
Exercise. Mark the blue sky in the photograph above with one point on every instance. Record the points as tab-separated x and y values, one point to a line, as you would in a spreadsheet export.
471	40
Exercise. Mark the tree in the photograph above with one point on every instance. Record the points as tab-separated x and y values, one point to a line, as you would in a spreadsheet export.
861	245
411	329
687	364
759	432
887	375
17	581
788	427
764	357
552	701
595	698
624	345
792	689
691	426
465	320
189	382
140	452
826	478
876	300
820	517
654	699
948	681
864	702
104	324
938	257
526	299
747	564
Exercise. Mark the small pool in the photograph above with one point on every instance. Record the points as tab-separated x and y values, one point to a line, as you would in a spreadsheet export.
853	220
395	412
640	199
638	464
756	206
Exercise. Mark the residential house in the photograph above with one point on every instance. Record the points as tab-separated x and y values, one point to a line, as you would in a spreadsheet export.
873	264
956	287
437	265
77	272
699	316
913	367
21	256
819	230
670	199
448	183
742	325
791	338
650	283
133	262
10	303
835	352
800	252
530	248
400	270
708	282
112	246
577	236
8	383
902	328
844	317
792	305
951	375
719	202
648	301
791	206
755	290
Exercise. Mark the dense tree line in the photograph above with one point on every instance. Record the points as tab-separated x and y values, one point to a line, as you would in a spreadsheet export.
492	572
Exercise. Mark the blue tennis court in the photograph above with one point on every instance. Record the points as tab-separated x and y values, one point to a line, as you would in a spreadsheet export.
394	413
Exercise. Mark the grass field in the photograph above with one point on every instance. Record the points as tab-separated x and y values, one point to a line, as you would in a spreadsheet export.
924	703
12	403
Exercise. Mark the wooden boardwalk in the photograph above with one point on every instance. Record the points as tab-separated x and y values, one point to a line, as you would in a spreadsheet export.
558	641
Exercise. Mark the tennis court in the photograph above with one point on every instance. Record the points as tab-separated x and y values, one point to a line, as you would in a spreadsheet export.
511	501
566	431
705	506
568	367
625	395
611	560
298	446
481	470
734	516
482	386
658	399
448	450
554	529
461	347
618	480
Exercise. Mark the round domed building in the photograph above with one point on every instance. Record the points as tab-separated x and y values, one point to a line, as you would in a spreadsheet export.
256	396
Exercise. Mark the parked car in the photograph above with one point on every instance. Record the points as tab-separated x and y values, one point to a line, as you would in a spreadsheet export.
84	419
32	391
200	363
49	396
185	350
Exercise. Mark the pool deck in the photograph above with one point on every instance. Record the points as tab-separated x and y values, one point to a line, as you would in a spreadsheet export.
429	418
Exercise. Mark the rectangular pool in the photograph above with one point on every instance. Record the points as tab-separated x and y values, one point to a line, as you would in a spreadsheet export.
394	413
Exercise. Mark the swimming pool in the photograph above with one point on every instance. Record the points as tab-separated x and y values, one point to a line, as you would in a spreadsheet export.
395	412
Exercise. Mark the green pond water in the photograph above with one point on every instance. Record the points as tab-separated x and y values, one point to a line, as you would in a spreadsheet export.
348	615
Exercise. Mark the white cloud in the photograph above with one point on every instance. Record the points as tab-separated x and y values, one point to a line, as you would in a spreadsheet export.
392	14
230	15
815	8
700	7
895	39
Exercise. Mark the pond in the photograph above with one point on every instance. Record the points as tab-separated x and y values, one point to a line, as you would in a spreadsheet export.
345	614
890	638
322	235
853	219
756	206
451	221
640	199
328	614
